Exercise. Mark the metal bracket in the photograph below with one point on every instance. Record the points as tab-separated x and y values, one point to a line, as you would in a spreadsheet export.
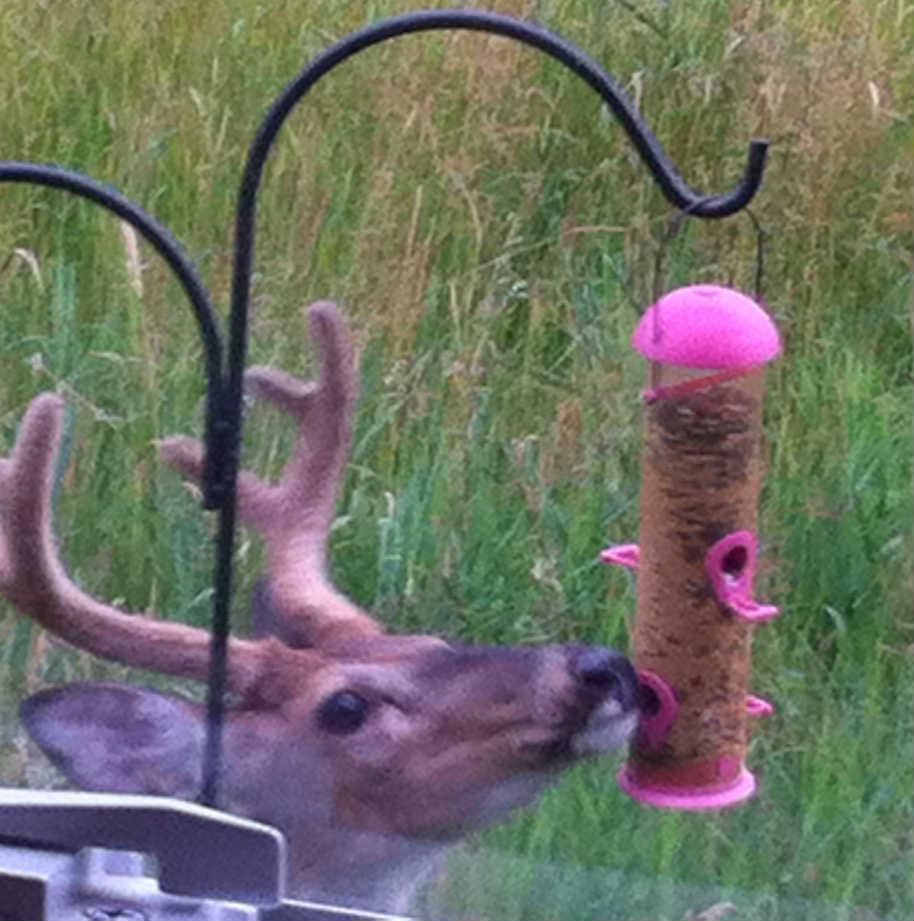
74	856
200	852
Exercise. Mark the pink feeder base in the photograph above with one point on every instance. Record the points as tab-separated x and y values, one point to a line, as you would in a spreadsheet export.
702	798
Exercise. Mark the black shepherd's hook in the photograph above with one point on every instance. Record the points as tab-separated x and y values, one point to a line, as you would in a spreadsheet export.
169	249
214	479
681	195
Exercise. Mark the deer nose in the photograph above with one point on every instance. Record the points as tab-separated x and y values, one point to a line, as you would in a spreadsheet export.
608	672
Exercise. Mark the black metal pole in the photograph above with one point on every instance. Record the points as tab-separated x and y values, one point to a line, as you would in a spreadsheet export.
214	480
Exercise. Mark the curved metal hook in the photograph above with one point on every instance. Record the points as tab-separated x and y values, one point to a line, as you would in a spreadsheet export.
681	195
168	247
219	458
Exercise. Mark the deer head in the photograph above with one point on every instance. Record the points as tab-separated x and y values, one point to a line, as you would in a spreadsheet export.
371	752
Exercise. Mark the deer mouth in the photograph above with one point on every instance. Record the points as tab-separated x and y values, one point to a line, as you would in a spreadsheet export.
588	704
609	727
606	691
606	727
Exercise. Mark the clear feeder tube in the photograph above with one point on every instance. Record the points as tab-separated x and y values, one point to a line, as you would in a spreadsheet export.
696	553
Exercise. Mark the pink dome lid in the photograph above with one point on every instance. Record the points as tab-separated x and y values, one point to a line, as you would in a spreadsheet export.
707	326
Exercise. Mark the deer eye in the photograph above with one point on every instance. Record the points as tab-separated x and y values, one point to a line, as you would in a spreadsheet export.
342	712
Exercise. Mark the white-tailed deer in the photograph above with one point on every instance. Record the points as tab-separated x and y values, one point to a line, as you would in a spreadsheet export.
372	753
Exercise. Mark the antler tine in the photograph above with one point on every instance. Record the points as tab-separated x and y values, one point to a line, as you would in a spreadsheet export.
323	409
34	579
294	517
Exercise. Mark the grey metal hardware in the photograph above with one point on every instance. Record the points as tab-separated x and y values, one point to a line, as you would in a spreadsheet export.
37	884
76	856
200	852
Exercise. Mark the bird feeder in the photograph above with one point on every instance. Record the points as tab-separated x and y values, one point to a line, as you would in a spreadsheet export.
697	547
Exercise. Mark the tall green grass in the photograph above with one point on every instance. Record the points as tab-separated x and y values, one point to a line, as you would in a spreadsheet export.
493	238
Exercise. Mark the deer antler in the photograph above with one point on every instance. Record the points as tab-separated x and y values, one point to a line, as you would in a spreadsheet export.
34	579
294	517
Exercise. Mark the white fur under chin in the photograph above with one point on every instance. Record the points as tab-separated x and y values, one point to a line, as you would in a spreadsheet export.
606	730
410	862
513	793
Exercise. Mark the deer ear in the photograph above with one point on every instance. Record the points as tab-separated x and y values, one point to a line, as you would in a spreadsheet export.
119	739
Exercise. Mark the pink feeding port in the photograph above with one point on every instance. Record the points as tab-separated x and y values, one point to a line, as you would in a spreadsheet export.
707	326
730	564
627	555
758	706
659	710
659	707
